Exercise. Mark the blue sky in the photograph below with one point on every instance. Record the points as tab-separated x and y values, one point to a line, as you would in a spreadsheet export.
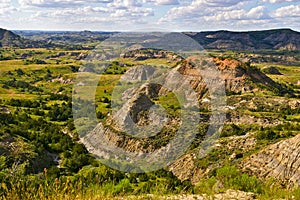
131	15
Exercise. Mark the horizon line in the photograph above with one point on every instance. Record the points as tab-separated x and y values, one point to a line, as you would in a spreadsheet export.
118	31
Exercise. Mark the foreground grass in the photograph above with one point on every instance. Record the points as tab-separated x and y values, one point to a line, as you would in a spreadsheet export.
97	183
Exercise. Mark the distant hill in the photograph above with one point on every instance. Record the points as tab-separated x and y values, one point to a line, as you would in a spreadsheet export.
11	39
8	38
16	39
66	38
277	39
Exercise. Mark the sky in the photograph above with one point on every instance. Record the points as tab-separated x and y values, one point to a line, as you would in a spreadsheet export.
149	15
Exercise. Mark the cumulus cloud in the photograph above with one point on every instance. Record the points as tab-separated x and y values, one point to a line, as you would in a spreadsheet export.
280	1
6	7
217	14
200	8
162	2
134	12
118	11
74	12
58	3
171	14
225	16
254	14
83	12
5	3
123	4
219	3
287	11
259	12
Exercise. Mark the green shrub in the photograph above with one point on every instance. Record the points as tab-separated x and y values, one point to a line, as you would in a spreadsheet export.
228	177
124	187
267	135
232	129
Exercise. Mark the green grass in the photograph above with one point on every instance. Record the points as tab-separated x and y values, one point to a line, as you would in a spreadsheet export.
291	74
230	178
170	103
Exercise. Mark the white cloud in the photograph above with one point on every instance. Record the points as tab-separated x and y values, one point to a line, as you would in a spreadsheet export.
162	2
122	4
200	8
58	3
259	12
256	13
92	11
217	14
133	12
280	1
219	3
287	11
78	12
126	12
130	14
4	3
225	16
6	7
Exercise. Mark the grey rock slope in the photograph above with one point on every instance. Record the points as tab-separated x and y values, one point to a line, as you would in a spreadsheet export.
280	161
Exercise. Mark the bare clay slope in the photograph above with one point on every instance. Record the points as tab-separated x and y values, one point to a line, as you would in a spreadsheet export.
280	161
238	77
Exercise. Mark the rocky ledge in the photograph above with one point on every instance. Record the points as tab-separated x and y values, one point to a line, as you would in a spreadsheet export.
280	161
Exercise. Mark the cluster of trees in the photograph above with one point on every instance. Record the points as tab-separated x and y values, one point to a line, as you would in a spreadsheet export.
60	112
23	85
45	137
115	68
279	131
61	97
233	129
6	54
34	61
24	103
34	120
19	72
283	109
55	112
84	108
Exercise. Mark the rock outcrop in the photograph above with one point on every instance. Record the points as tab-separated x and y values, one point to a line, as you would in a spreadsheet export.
280	161
139	55
186	168
127	126
237	76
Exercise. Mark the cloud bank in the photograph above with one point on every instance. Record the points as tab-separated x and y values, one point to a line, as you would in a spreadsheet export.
183	15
